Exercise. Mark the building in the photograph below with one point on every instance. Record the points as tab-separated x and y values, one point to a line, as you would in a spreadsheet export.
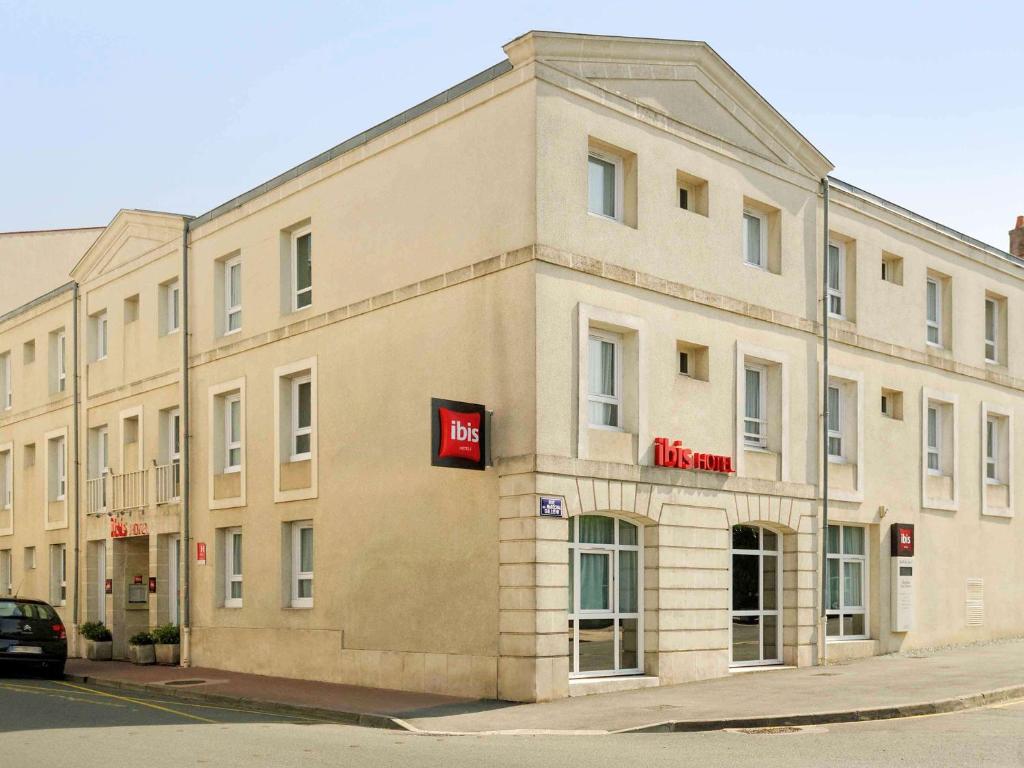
615	246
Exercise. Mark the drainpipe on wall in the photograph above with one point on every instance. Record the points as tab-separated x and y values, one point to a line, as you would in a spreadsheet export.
77	462
823	621
186	497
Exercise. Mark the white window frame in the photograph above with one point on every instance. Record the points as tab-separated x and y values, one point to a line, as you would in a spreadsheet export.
231	309
751	440
296	291
836	433
936	322
296	574
61	470
992	342
296	430
762	263
842	559
934	443
229	444
102	346
993	434
616	398
230	577
173	301
173	435
947	439
761	612
7	476
7	392
62	368
1003	457
838	293
614	611
59	574
618	183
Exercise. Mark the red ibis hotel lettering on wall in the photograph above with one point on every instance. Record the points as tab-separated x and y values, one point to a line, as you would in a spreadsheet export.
673	454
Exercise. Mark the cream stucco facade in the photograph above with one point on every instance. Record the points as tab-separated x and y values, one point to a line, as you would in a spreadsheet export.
549	239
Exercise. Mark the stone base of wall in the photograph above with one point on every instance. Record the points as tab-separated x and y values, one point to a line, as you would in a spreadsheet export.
317	655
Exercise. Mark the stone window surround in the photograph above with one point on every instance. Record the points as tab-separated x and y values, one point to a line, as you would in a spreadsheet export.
951	399
214	393
856	379
588	316
307	365
7	448
1006	413
743	353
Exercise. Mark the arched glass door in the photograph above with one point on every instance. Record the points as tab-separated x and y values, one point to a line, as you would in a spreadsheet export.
756	596
605	596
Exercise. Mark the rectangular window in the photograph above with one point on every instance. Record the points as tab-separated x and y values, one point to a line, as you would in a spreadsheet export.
7	479
233	295
58	574
934	441
6	572
604	358
836	266
233	568
100	331
604	185
232	433
302	418
302	565
302	268
755	238
755	425
684	363
933	301
835	423
992	438
991	331
846	615
172	301
62	367
892	268
6	385
30	558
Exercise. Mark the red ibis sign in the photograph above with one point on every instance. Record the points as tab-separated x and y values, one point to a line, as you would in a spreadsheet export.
672	454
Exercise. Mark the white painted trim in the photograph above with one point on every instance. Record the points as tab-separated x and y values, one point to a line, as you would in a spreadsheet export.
296	559
215	411
309	365
857	379
8	481
228	574
953	400
53	434
620	185
761	354
1006	413
623	323
294	267
763	218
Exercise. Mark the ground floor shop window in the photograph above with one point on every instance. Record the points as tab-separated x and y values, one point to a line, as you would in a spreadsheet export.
847	565
605	596
756	596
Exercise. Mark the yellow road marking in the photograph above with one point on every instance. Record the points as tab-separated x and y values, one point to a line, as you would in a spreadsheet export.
55	692
140	702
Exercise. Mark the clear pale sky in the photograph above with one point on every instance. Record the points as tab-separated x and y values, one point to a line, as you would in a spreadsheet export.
181	106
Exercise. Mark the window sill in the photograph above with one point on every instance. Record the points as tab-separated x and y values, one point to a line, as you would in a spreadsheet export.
757	449
298	608
760	267
231	607
231	333
612	219
231	470
605	428
837	460
300	457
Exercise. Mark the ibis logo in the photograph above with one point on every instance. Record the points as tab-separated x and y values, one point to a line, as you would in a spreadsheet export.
673	454
902	540
459	434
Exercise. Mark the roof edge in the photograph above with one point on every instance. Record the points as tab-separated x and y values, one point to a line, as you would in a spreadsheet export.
41	299
917	218
358	140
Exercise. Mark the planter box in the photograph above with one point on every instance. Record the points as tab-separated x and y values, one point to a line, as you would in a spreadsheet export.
168	653
141	654
99	650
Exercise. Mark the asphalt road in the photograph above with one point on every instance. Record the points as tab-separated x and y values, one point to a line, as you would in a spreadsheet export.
48	722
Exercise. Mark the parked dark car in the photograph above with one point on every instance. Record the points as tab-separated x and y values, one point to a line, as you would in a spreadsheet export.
32	636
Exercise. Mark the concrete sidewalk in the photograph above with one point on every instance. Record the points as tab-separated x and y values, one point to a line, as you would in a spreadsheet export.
876	688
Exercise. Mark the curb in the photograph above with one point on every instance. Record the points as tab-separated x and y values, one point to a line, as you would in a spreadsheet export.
942	706
364	719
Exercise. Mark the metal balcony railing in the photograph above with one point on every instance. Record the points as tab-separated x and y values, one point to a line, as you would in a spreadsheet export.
128	491
168	482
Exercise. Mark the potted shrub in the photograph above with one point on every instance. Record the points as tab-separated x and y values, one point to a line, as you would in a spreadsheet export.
98	642
168	644
140	649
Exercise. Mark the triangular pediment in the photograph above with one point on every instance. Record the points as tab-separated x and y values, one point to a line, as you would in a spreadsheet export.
686	82
130	236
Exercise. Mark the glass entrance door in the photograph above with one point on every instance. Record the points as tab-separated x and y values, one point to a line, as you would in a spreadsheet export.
756	596
605	592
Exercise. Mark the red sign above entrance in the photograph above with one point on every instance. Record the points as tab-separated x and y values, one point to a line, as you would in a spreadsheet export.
120	529
673	454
